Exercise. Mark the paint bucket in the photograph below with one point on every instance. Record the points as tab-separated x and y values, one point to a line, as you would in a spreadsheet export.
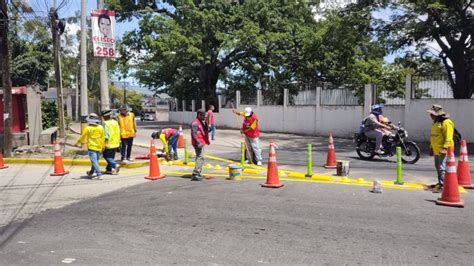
342	168
235	172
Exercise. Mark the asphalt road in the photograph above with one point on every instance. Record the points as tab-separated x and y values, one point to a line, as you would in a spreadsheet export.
177	221
292	153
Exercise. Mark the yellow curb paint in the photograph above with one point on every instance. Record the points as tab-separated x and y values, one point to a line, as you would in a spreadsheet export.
191	164
281	173
70	162
296	175
251	171
178	163
208	166
217	167
322	178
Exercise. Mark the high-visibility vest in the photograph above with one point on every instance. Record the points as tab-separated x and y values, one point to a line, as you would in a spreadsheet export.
95	137
127	125
113	131
248	124
201	134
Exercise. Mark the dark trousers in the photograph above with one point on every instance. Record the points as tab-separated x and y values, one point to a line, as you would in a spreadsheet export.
126	147
109	156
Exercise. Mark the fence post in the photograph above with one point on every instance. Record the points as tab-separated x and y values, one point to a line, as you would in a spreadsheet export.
219	102
183	102
259	98
237	99
203	105
319	110
368	98
285	98
408	94
193	106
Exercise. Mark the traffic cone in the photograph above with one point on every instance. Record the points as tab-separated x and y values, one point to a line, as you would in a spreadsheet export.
331	159
464	174
273	181
2	165
154	165
58	161
180	138
450	195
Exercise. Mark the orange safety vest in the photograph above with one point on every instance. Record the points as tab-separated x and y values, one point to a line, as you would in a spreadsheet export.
127	126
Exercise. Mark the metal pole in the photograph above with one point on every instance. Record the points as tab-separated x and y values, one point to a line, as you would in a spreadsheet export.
186	154
310	161
124	94
84	93
104	79
399	180
242	154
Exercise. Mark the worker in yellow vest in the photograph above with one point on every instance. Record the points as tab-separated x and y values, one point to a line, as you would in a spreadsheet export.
112	142
94	133
128	131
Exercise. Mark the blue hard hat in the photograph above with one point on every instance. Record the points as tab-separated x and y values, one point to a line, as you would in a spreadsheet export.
376	107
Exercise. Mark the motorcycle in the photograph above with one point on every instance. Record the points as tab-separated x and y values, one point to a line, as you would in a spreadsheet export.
410	150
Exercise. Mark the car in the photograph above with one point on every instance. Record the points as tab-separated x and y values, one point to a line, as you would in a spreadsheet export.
148	117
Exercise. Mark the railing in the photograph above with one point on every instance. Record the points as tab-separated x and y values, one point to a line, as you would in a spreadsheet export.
431	87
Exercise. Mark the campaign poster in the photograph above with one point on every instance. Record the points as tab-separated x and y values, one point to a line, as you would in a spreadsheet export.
103	33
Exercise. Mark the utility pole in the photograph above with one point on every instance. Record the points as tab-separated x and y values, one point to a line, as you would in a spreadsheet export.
104	80
124	93
6	79
84	93
57	68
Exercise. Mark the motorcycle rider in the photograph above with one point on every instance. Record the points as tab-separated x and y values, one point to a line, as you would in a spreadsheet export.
373	127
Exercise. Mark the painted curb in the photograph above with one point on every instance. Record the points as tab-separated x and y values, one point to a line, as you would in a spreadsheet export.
71	162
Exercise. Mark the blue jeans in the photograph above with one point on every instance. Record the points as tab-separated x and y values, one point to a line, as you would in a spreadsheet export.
109	156
440	165
94	156
212	130
173	144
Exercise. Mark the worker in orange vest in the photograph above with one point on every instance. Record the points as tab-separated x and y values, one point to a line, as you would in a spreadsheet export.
128	131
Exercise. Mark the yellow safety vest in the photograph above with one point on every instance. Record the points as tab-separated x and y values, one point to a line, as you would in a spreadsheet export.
441	135
127	129
95	137
113	131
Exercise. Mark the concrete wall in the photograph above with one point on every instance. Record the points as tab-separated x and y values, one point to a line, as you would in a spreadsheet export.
343	121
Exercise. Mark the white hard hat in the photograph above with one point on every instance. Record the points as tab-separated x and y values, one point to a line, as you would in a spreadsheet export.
248	111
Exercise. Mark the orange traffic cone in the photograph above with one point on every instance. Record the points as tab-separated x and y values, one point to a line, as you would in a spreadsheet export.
331	159
273	181
180	138
450	195
464	174
2	165
58	161
154	165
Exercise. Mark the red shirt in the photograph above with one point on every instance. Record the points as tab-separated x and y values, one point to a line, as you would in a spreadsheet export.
210	118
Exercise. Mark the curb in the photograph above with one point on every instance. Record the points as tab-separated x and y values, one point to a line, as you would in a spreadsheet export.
71	162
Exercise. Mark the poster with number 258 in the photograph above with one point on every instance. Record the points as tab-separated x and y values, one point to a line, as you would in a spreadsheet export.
103	33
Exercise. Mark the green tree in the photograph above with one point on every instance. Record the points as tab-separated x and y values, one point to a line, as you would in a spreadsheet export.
450	23
186	51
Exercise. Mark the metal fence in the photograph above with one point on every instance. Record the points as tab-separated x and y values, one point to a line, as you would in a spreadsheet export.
342	96
272	96
431	87
390	98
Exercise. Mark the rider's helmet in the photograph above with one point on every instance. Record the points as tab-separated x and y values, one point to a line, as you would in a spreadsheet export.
377	109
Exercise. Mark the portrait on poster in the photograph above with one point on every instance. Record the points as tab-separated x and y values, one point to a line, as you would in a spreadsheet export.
103	33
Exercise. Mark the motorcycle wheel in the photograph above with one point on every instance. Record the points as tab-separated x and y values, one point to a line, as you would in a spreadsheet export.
365	150
411	153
